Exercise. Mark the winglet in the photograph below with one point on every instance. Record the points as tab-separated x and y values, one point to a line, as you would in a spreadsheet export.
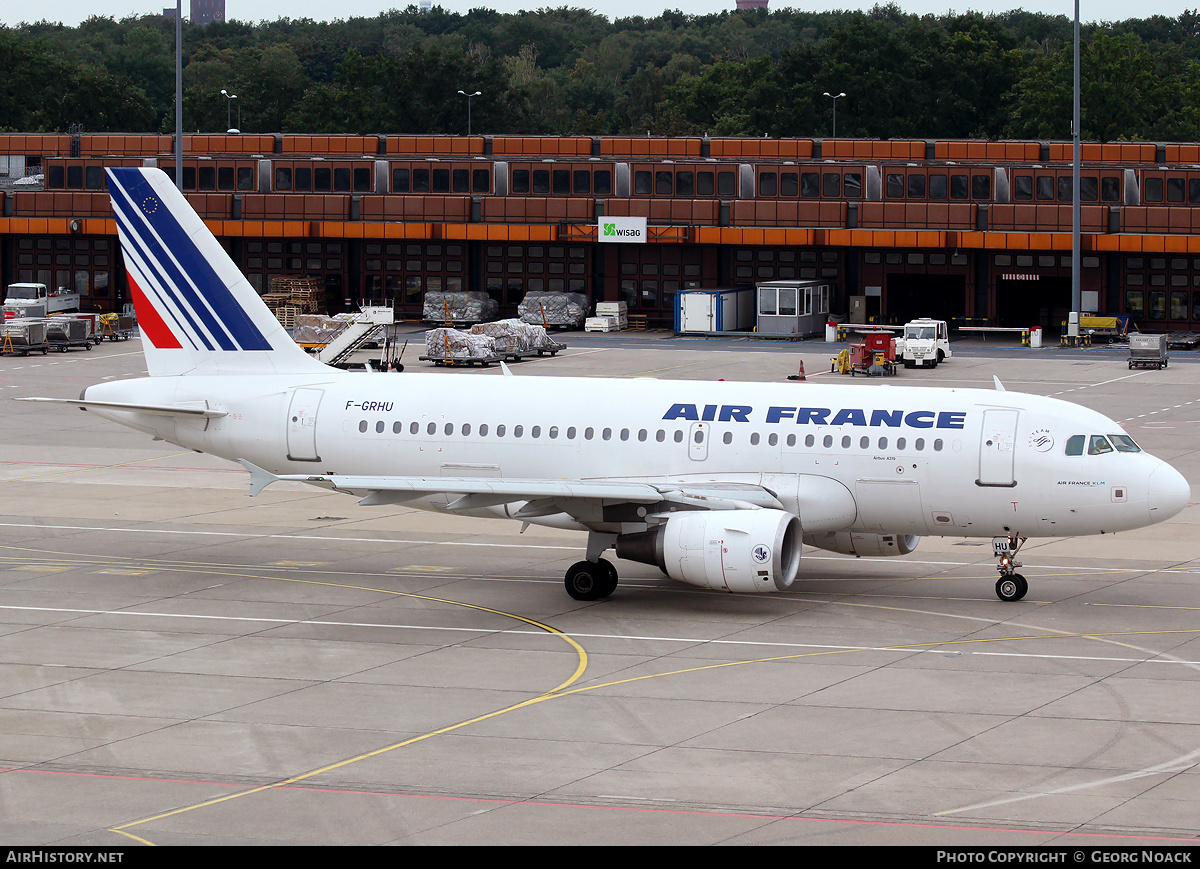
999	385
259	477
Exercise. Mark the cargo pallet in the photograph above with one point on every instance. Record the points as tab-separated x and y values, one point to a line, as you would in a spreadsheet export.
484	361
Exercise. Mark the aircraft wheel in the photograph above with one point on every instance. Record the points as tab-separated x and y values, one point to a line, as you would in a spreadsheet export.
1011	588
608	582
587	581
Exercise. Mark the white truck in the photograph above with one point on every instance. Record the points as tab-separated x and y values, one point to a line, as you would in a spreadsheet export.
34	300
924	343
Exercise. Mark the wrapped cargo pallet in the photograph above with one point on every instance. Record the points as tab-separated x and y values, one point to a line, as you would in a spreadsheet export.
554	309
316	329
455	344
514	336
459	307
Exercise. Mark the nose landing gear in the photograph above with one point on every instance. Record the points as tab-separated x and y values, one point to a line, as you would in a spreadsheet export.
1011	586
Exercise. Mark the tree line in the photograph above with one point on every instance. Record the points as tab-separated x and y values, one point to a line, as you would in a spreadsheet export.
570	71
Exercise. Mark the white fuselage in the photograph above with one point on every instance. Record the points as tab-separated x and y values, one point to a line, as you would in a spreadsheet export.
961	462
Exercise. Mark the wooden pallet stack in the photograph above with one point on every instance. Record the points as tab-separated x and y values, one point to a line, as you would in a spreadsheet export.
290	296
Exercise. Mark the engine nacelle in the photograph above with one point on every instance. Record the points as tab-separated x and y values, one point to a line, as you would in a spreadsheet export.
854	543
730	550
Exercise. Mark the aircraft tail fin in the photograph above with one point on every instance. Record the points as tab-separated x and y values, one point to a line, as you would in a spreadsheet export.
196	311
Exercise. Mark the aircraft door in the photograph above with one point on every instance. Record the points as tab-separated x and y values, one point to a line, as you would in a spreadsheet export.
302	425
698	441
997	448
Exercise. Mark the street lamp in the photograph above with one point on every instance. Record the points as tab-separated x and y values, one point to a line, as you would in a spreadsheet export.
835	99
229	98
468	96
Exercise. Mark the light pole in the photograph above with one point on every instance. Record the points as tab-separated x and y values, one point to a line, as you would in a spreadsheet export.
229	98
835	98
468	96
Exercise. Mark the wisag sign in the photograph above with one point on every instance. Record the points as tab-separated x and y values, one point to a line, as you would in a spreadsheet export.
621	230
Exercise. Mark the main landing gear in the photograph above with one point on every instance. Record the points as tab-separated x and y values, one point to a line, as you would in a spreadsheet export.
1011	586
587	580
594	578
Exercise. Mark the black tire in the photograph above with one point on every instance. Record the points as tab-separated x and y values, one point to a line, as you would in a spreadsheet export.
584	581
609	578
1011	588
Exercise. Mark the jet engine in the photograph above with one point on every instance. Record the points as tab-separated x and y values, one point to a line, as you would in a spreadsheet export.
854	543
732	550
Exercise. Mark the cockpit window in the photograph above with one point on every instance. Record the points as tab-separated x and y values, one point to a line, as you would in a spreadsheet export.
1124	444
1075	445
1098	445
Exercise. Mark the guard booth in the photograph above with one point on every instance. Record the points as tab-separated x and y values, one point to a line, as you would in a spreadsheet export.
798	308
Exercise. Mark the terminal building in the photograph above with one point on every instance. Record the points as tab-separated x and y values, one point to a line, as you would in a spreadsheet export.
898	228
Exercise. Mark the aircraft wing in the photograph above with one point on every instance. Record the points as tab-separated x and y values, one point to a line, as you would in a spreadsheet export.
543	496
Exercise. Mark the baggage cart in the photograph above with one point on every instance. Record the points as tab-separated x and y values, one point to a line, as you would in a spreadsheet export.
116	327
63	333
23	336
1147	351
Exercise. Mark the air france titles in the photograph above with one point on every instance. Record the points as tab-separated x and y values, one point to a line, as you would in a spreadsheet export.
948	419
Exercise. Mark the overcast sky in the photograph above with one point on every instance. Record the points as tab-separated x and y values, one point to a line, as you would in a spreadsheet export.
72	12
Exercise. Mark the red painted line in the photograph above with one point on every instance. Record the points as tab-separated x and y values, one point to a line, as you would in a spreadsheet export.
918	825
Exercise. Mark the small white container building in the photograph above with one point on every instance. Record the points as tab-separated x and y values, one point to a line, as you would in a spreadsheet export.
714	310
799	308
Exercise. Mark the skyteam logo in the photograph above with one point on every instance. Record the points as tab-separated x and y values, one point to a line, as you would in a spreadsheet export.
626	230
1041	440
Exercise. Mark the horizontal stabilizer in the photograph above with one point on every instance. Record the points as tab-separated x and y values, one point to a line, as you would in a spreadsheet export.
160	409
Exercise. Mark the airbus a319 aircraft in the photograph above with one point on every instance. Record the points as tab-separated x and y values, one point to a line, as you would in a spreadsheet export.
718	484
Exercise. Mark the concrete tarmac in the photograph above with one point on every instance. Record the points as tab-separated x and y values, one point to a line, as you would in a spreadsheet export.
181	664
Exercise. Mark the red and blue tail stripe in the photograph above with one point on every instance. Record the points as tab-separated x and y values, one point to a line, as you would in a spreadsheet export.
192	304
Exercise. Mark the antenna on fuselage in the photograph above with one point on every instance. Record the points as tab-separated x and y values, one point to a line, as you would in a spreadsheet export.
999	385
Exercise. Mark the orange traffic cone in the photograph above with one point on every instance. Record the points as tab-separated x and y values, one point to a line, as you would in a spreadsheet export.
799	376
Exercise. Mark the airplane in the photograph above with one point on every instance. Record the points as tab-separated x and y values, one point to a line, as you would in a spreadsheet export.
718	484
